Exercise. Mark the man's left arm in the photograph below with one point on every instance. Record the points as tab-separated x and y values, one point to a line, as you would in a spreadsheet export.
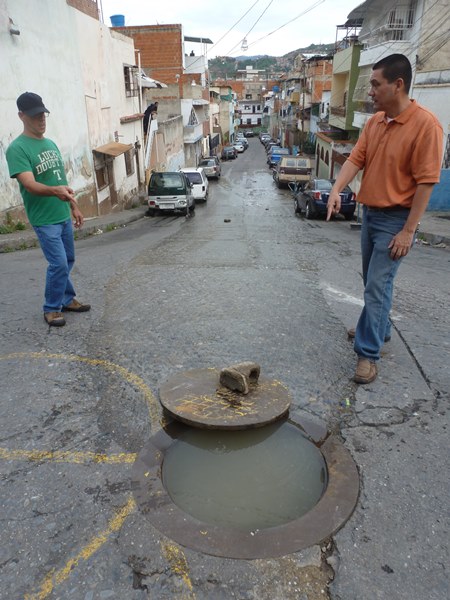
402	242
77	215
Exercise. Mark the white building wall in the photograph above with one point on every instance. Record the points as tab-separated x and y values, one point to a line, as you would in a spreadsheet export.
103	54
43	59
76	64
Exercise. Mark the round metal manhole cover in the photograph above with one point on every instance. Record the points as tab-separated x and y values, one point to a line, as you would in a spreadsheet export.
196	398
235	520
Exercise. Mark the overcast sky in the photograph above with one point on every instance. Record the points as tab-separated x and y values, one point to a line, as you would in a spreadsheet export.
272	27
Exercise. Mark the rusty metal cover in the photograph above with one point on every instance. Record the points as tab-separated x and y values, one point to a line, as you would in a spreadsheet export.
197	398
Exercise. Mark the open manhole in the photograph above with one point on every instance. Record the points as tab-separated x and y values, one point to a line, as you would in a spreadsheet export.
226	526
248	488
245	480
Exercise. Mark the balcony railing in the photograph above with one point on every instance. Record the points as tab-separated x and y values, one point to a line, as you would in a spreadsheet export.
192	133
396	25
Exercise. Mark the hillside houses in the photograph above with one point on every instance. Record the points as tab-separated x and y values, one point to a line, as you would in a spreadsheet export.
98	80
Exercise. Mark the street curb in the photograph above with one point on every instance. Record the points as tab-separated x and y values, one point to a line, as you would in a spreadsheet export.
23	240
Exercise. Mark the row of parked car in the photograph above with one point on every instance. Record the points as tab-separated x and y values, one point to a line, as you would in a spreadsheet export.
240	145
178	191
296	172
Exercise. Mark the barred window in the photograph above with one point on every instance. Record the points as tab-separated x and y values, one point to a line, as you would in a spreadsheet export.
130	76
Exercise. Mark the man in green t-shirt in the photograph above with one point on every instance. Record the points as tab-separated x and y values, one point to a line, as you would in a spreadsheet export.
36	163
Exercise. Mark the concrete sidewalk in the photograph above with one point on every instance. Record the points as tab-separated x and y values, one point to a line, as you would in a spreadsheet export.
21	240
434	229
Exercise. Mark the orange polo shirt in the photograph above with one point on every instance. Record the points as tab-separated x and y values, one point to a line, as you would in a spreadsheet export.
398	155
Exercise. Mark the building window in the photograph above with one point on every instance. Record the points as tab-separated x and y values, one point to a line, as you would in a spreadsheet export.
129	162
248	96
258	107
130	76
249	121
259	121
247	107
101	171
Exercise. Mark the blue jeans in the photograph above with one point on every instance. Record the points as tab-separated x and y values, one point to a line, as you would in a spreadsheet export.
379	270
59	249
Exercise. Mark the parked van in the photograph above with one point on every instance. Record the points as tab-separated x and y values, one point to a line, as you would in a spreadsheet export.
170	191
293	168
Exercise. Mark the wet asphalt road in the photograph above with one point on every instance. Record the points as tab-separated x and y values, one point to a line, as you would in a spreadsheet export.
171	294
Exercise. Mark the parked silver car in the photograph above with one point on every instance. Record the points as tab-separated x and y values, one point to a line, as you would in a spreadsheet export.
211	166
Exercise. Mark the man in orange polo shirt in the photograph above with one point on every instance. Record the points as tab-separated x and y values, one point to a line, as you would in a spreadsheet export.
400	150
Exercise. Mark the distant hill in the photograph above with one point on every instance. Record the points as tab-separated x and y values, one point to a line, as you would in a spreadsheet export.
311	49
225	67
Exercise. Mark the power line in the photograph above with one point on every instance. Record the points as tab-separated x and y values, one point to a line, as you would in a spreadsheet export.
310	8
252	27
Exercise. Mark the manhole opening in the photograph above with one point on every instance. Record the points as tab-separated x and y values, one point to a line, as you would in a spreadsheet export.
246	480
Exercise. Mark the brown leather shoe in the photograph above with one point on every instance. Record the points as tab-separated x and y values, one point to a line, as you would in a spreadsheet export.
366	371
54	319
76	306
352	332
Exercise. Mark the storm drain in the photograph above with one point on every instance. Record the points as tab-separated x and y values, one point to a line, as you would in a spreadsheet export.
256	492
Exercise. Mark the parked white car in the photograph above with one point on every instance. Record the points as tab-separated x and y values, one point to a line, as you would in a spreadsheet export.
198	181
239	147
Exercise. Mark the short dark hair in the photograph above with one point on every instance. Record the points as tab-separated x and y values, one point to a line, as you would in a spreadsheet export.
395	66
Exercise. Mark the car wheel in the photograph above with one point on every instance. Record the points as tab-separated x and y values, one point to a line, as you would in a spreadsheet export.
309	213
150	212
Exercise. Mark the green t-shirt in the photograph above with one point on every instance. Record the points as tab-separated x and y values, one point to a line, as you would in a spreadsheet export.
43	159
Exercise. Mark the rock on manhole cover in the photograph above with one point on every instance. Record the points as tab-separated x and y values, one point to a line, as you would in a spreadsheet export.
195	397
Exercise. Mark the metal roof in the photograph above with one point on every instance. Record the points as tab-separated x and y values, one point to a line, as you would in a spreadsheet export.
200	40
113	148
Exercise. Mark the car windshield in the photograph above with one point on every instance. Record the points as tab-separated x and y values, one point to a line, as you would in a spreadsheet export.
194	177
167	183
206	163
324	184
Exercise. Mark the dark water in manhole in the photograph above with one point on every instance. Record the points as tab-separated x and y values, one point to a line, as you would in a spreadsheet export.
246	480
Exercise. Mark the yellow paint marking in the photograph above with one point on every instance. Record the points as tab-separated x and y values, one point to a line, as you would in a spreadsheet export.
178	563
56	577
132	378
68	457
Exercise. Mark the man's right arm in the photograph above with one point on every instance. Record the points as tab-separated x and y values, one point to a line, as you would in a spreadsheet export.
346	174
63	192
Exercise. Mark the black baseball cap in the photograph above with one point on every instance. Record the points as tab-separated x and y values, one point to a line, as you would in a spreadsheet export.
31	104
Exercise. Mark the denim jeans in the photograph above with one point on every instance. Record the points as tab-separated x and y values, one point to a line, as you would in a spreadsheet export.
379	270
59	249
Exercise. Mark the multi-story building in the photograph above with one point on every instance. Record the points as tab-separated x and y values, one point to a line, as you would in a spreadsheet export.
417	29
186	90
222	108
